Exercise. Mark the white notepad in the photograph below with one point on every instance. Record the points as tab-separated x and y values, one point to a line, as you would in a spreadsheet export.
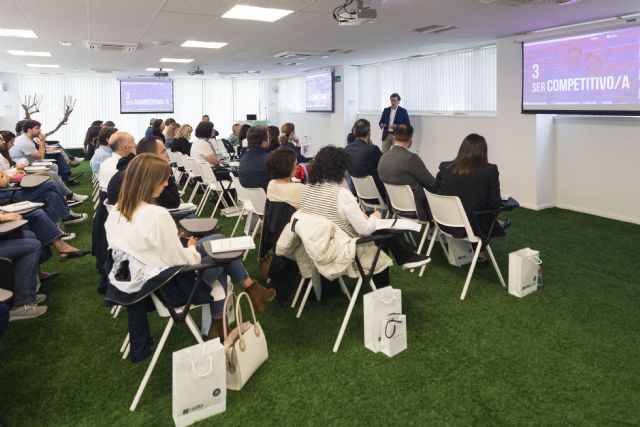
183	207
400	224
36	168
231	244
20	206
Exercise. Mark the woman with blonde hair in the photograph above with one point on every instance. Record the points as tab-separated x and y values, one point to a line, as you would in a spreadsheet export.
181	142
146	246
289	139
170	132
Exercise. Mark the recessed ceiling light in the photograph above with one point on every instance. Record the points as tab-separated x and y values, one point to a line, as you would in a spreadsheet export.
43	65
65	43
252	72
206	45
158	69
179	60
26	34
256	13
26	53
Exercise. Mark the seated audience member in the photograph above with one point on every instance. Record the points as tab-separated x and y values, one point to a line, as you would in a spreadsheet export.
181	144
147	236
326	196
253	163
289	139
103	151
108	124
170	196
92	132
364	155
170	132
351	136
281	166
274	133
475	181
157	129
26	151
242	137
201	149
399	166
149	130
121	144
24	251
233	137
16	171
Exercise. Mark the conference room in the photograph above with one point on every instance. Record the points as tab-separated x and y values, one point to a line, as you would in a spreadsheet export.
424	316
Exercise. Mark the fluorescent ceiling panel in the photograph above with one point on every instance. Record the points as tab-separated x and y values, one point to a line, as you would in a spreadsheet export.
256	13
27	53
43	65
26	34
178	60
206	45
158	69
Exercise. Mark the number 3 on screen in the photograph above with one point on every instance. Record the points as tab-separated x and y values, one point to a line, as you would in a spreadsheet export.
536	71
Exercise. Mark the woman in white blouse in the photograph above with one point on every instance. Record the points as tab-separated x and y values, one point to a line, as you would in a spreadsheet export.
147	235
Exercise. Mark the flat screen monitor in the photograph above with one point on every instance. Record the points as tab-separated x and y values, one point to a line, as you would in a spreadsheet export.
319	92
252	117
595	73
138	96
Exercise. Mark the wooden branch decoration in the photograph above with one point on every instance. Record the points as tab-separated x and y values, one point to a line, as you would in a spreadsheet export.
69	104
31	105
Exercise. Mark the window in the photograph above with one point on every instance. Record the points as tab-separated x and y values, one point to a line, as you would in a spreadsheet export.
292	92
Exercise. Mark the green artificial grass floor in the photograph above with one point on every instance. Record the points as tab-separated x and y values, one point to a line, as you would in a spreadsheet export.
567	354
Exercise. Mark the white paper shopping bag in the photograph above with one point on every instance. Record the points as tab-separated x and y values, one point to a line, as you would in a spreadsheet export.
199	382
525	272
459	252
393	337
377	306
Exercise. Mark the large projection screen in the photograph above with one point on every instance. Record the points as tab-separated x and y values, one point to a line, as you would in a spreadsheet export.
138	96
594	73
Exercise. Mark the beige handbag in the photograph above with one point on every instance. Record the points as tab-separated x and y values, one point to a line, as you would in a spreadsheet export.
245	346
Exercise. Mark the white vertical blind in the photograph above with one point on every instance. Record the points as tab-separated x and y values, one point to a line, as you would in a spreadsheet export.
454	82
292	92
98	98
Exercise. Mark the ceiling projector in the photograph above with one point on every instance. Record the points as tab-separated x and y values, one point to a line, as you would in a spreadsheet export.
195	71
360	15
160	73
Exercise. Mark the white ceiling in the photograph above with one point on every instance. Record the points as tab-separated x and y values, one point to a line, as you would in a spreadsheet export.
252	44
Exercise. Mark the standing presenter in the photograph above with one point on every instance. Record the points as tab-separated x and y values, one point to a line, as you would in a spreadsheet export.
392	117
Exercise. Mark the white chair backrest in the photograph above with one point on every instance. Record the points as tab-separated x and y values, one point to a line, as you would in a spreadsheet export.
173	158
401	197
258	199
366	188
242	194
160	307
193	166
206	173
448	211
180	159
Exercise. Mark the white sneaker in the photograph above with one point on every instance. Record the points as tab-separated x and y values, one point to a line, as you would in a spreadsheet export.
40	298
68	236
79	197
28	311
74	218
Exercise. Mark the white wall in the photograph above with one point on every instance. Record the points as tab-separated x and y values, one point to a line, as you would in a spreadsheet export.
9	111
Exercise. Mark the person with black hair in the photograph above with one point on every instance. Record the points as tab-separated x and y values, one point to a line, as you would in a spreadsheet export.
92	132
103	151
156	129
274	133
391	118
201	149
253	163
149	130
326	196
364	155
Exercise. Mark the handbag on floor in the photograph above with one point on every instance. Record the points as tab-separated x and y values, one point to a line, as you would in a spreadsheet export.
378	305
393	337
199	382
245	346
525	273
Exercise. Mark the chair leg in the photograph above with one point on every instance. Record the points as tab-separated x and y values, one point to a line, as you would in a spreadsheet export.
194	192
125	353
125	343
347	316
295	297
193	327
215	207
344	287
304	298
203	201
421	245
152	365
116	312
471	269
237	221
495	265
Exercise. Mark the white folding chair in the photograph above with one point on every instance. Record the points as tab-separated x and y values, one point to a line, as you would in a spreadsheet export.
212	185
368	194
404	205
193	169
313	283
448	211
253	201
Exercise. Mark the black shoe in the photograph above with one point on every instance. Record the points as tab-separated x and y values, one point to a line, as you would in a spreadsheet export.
482	262
415	261
505	224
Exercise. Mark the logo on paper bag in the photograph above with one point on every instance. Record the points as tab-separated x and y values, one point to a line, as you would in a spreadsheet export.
193	408
216	392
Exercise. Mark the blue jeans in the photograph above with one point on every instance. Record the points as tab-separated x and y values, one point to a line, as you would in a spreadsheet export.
234	269
24	252
61	162
4	320
55	204
45	230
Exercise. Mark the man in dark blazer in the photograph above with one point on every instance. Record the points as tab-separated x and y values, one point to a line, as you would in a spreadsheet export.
364	155
399	166
392	117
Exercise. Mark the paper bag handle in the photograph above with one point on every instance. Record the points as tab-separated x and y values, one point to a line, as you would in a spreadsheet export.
534	259
224	313
202	374
391	294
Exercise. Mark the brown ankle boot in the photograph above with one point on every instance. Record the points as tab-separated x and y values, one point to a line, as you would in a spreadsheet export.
268	294
256	297
216	330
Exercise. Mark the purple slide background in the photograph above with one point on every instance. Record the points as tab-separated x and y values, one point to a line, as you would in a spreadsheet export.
319	92
599	60
143	96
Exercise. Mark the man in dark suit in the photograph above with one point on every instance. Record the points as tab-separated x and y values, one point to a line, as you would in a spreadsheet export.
391	118
364	155
252	171
399	166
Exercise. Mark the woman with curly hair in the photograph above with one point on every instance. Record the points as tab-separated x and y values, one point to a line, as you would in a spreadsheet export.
328	197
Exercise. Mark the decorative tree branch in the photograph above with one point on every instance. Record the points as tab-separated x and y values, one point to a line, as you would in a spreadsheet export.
69	104
31	105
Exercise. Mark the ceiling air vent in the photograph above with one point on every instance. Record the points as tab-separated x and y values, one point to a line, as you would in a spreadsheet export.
104	70
435	29
112	46
296	55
